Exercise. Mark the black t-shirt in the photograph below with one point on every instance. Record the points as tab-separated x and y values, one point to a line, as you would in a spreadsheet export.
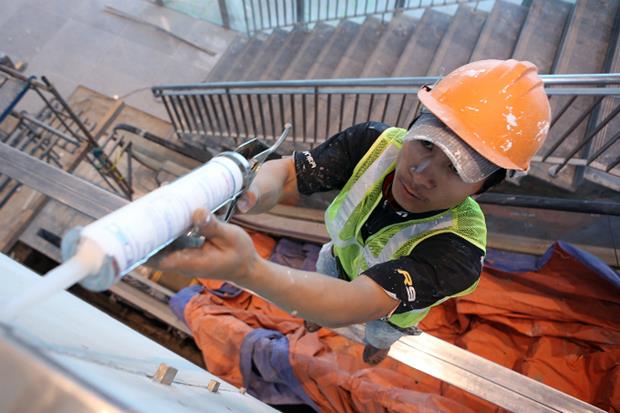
439	266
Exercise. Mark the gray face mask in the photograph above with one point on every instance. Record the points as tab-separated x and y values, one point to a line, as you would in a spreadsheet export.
470	165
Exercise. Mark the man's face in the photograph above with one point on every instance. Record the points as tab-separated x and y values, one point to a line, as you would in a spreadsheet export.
426	180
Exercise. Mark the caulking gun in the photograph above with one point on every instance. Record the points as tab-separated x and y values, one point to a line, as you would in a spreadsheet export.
101	253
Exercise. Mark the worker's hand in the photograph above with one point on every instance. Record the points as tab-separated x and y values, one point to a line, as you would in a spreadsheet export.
248	199
228	252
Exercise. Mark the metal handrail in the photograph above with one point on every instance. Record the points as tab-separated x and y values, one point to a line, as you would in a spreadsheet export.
229	112
264	15
598	79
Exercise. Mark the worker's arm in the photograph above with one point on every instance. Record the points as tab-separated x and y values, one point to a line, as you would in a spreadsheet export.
229	253
275	182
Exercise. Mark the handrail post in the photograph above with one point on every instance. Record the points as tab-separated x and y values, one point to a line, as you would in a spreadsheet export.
300	10
224	13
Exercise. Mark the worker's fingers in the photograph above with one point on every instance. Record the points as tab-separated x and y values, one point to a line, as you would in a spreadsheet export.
248	199
246	202
190	261
205	223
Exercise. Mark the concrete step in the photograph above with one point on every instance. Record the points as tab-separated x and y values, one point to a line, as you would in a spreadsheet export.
242	64
333	51
417	57
381	63
300	66
604	136
273	44
455	49
222	68
584	50
415	60
542	32
352	64
309	52
500	32
388	51
459	41
287	53
356	55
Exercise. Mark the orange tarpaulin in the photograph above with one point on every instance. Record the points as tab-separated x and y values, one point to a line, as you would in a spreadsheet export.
559	324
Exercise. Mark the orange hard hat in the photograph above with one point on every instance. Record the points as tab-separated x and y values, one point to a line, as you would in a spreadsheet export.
498	107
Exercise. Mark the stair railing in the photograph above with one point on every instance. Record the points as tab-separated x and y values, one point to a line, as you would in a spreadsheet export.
223	115
256	16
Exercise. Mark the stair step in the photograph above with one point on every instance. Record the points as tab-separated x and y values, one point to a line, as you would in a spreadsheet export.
359	51
584	51
612	153
542	32
332	53
222	68
417	57
384	58
272	45
325	67
309	52
459	41
286	55
501	31
242	64
415	60
381	63
353	63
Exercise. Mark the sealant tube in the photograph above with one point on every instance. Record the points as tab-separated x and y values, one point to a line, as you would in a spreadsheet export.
105	250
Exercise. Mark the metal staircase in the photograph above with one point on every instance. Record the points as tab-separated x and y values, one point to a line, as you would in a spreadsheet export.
376	67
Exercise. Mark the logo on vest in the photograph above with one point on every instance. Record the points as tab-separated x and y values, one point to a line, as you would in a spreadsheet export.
408	284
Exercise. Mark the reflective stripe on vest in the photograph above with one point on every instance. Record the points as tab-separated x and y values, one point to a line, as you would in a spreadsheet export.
401	237
357	192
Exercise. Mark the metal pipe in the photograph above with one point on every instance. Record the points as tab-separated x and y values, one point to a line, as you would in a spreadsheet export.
355	105
224	114
327	115
207	112
244	120
252	116
234	113
557	204
603	148
316	115
587	140
215	115
561	112
193	153
570	130
594	79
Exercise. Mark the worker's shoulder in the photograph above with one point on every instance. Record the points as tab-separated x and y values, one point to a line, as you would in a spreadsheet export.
449	244
370	127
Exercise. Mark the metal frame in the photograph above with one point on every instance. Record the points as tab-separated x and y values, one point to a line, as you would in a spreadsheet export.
265	15
55	128
330	99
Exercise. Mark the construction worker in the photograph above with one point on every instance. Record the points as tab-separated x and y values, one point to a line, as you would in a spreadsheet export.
406	235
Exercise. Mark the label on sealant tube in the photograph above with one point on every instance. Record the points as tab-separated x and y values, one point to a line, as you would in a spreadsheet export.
133	232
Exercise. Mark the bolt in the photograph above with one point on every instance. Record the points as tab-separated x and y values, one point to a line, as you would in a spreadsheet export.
165	374
213	386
